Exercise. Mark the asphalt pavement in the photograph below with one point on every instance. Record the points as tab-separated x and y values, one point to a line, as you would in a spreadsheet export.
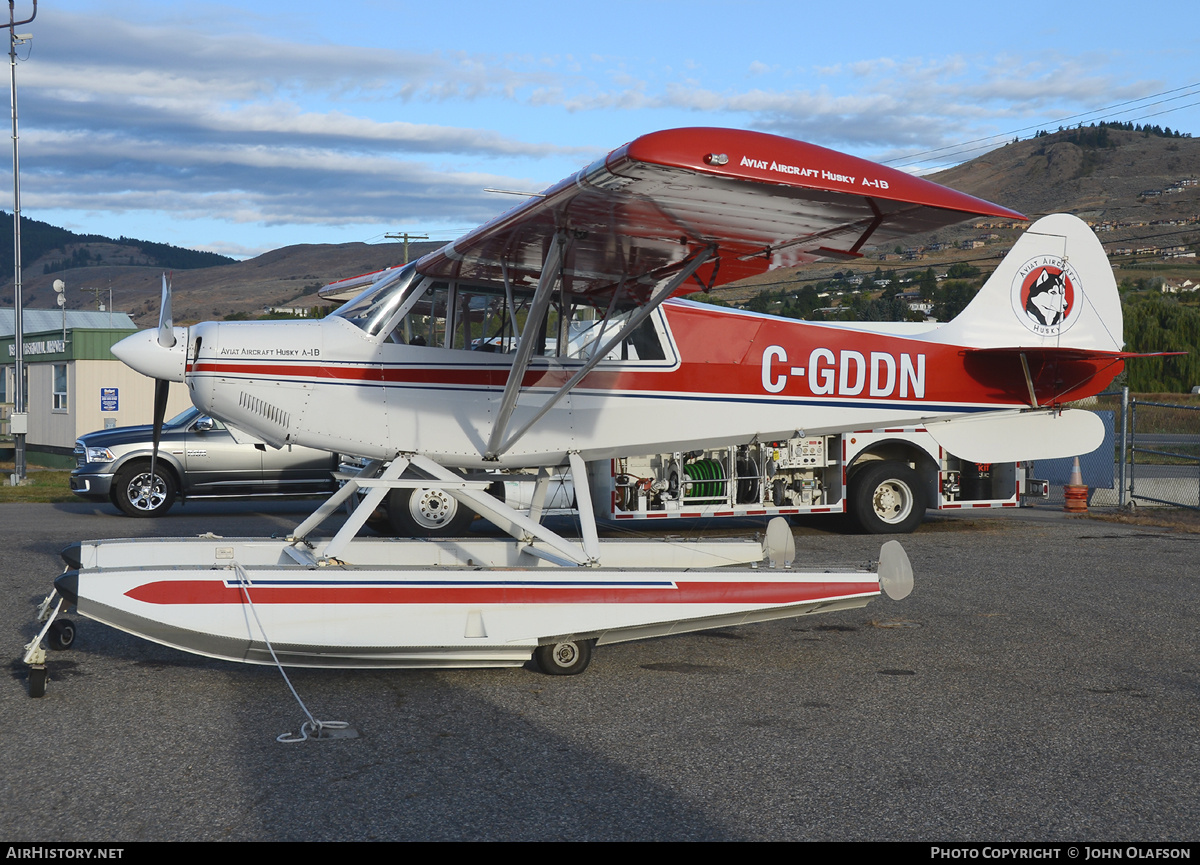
1042	682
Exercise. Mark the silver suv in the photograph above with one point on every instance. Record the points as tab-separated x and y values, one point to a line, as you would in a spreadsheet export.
198	457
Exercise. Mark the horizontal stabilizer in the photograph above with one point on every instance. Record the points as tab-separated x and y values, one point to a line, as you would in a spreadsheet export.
1028	435
1067	353
1051	375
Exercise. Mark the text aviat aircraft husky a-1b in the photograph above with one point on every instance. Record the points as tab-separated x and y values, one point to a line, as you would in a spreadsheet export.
556	334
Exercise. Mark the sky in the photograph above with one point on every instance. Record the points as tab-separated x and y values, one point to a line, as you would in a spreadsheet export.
244	129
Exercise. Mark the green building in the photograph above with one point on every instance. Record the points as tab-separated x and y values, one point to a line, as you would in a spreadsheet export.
73	384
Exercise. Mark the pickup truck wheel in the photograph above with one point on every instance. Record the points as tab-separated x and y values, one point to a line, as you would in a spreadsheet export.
138	495
427	513
886	498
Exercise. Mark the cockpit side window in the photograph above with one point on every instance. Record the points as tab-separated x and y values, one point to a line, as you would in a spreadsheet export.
424	322
487	318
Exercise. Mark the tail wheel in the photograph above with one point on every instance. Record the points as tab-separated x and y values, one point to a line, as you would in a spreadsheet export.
568	658
886	497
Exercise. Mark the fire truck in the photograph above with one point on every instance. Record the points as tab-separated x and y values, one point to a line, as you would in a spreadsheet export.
883	480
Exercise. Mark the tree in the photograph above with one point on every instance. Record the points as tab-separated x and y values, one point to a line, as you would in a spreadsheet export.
928	283
1159	323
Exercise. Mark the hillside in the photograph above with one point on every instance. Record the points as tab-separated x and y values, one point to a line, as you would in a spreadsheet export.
56	249
287	277
1097	174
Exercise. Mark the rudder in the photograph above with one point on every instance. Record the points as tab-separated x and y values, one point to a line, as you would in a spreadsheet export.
1054	289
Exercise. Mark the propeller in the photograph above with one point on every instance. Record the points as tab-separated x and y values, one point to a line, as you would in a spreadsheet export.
162	386
166	328
161	354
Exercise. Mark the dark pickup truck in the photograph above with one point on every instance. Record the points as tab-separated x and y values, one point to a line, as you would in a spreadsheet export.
198	457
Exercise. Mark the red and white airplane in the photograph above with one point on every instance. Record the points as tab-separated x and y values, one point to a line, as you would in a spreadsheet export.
556	334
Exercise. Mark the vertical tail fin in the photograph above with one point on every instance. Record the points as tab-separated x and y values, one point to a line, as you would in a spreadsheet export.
1054	289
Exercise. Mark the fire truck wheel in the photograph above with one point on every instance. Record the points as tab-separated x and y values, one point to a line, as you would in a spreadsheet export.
886	498
564	659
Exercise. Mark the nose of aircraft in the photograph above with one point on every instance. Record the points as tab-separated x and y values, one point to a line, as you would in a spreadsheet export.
143	353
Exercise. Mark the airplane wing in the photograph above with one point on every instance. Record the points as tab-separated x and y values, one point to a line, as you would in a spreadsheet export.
755	201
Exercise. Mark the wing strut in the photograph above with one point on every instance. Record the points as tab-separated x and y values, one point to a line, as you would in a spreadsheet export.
537	311
851	254
1033	402
664	290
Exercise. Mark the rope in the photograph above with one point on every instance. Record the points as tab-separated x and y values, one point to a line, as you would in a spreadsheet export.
312	725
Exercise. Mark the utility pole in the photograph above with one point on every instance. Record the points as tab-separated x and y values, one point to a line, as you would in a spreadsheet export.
406	237
20	416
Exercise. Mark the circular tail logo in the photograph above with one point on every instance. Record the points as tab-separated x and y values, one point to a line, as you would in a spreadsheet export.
1045	295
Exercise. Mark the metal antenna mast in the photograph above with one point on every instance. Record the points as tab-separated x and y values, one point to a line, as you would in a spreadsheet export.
20	417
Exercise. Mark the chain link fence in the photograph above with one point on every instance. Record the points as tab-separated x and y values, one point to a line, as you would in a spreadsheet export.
1150	455
1098	468
1164	454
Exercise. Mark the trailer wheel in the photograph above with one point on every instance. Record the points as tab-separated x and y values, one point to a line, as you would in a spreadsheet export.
61	635
886	498
37	681
564	659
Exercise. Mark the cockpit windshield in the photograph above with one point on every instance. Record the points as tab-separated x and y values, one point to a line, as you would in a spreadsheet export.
372	309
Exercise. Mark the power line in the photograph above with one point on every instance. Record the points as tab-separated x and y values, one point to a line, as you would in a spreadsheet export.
988	142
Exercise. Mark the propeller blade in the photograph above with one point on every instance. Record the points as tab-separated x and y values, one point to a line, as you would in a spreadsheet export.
161	386
166	324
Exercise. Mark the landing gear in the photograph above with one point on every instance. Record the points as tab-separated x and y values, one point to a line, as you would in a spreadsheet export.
568	658
427	513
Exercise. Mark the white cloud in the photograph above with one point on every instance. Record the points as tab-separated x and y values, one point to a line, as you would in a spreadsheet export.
194	122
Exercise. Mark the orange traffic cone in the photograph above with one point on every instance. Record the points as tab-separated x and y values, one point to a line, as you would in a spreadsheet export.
1075	493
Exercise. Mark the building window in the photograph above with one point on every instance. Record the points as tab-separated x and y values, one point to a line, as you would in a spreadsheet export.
59	401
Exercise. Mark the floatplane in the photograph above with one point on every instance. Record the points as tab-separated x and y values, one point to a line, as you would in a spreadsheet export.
558	334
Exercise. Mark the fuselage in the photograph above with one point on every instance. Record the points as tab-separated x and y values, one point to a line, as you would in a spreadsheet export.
721	376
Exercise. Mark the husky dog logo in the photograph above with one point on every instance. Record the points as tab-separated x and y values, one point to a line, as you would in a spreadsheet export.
1045	295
